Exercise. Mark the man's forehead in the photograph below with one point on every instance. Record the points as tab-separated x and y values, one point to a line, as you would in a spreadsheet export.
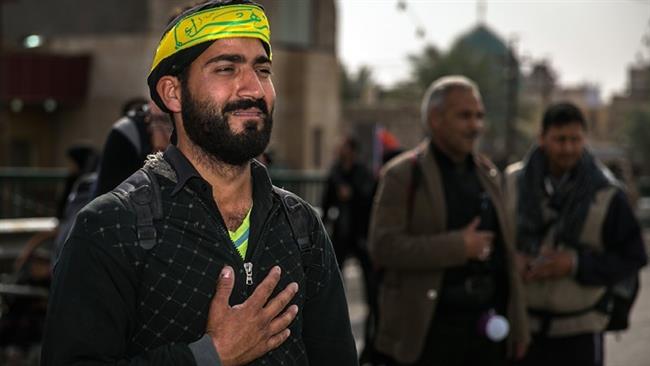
246	47
464	98
571	128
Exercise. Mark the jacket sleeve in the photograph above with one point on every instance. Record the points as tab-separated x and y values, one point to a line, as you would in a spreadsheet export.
91	312
326	330
624	249
392	246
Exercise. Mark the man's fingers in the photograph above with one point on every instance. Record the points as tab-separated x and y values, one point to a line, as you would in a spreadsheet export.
539	272
224	287
265	288
281	322
276	340
277	329
474	224
279	302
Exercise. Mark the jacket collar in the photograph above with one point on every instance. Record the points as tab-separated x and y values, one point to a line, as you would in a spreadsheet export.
185	171
430	168
263	200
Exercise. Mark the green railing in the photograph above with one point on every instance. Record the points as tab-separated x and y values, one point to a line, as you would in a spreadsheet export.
307	184
35	192
30	192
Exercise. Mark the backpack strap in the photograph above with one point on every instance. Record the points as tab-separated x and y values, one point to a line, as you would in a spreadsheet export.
298	217
142	192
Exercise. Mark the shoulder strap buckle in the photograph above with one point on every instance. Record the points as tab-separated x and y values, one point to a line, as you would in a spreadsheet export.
142	192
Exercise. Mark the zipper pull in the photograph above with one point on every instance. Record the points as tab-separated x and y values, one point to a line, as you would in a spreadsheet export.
248	267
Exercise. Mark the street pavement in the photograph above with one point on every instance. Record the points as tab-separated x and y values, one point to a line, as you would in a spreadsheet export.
632	347
629	348
352	277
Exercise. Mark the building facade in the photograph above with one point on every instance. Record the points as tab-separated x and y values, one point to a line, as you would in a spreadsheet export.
67	66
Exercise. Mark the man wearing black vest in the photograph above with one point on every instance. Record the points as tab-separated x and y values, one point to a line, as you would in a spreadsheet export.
577	237
197	259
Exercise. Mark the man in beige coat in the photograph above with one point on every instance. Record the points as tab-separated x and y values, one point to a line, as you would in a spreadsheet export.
442	238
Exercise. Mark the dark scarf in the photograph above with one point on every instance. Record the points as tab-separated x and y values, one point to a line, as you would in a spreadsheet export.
570	200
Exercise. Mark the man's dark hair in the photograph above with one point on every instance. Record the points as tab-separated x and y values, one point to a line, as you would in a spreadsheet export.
352	142
562	114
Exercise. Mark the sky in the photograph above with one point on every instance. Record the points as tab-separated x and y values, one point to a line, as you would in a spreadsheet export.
588	41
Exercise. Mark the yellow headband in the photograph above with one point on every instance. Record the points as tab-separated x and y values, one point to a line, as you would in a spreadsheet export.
216	23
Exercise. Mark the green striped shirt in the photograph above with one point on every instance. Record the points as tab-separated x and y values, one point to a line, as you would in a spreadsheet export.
239	237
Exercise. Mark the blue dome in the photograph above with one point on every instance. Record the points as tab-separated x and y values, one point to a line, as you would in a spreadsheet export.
481	38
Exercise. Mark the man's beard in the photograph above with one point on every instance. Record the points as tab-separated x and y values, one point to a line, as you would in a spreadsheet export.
208	128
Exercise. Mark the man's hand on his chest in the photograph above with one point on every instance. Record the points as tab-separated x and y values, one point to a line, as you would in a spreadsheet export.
244	332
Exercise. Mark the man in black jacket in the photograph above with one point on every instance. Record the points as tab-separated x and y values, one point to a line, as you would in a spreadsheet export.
221	276
348	192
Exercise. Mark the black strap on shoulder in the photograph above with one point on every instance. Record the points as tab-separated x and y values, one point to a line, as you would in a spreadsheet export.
142	191
298	218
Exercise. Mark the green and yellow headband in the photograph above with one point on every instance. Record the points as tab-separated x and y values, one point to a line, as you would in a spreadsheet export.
228	21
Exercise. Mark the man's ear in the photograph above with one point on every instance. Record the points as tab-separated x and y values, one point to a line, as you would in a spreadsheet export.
169	90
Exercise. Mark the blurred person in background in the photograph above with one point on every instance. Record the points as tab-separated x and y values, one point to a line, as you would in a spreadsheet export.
346	208
439	233
143	129
346	202
82	160
577	236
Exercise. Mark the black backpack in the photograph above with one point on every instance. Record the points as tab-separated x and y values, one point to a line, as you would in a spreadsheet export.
620	299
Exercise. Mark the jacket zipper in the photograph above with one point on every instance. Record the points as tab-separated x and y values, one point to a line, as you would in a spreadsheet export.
248	266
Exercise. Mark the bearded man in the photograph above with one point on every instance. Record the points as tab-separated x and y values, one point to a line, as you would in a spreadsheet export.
197	259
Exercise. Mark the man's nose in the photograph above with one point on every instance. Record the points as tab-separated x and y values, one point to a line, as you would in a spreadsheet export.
249	84
476	123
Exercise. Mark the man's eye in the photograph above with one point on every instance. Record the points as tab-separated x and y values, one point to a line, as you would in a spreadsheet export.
224	69
265	71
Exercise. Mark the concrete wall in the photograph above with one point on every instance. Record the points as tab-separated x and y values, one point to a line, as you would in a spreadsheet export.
306	80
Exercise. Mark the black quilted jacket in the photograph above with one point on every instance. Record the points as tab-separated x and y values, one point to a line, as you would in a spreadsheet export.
114	302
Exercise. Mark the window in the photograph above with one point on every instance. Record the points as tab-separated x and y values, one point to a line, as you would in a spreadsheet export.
293	26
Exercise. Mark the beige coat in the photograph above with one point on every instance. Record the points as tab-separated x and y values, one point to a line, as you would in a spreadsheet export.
414	253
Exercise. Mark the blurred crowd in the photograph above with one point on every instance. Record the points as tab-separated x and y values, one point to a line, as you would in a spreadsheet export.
464	264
